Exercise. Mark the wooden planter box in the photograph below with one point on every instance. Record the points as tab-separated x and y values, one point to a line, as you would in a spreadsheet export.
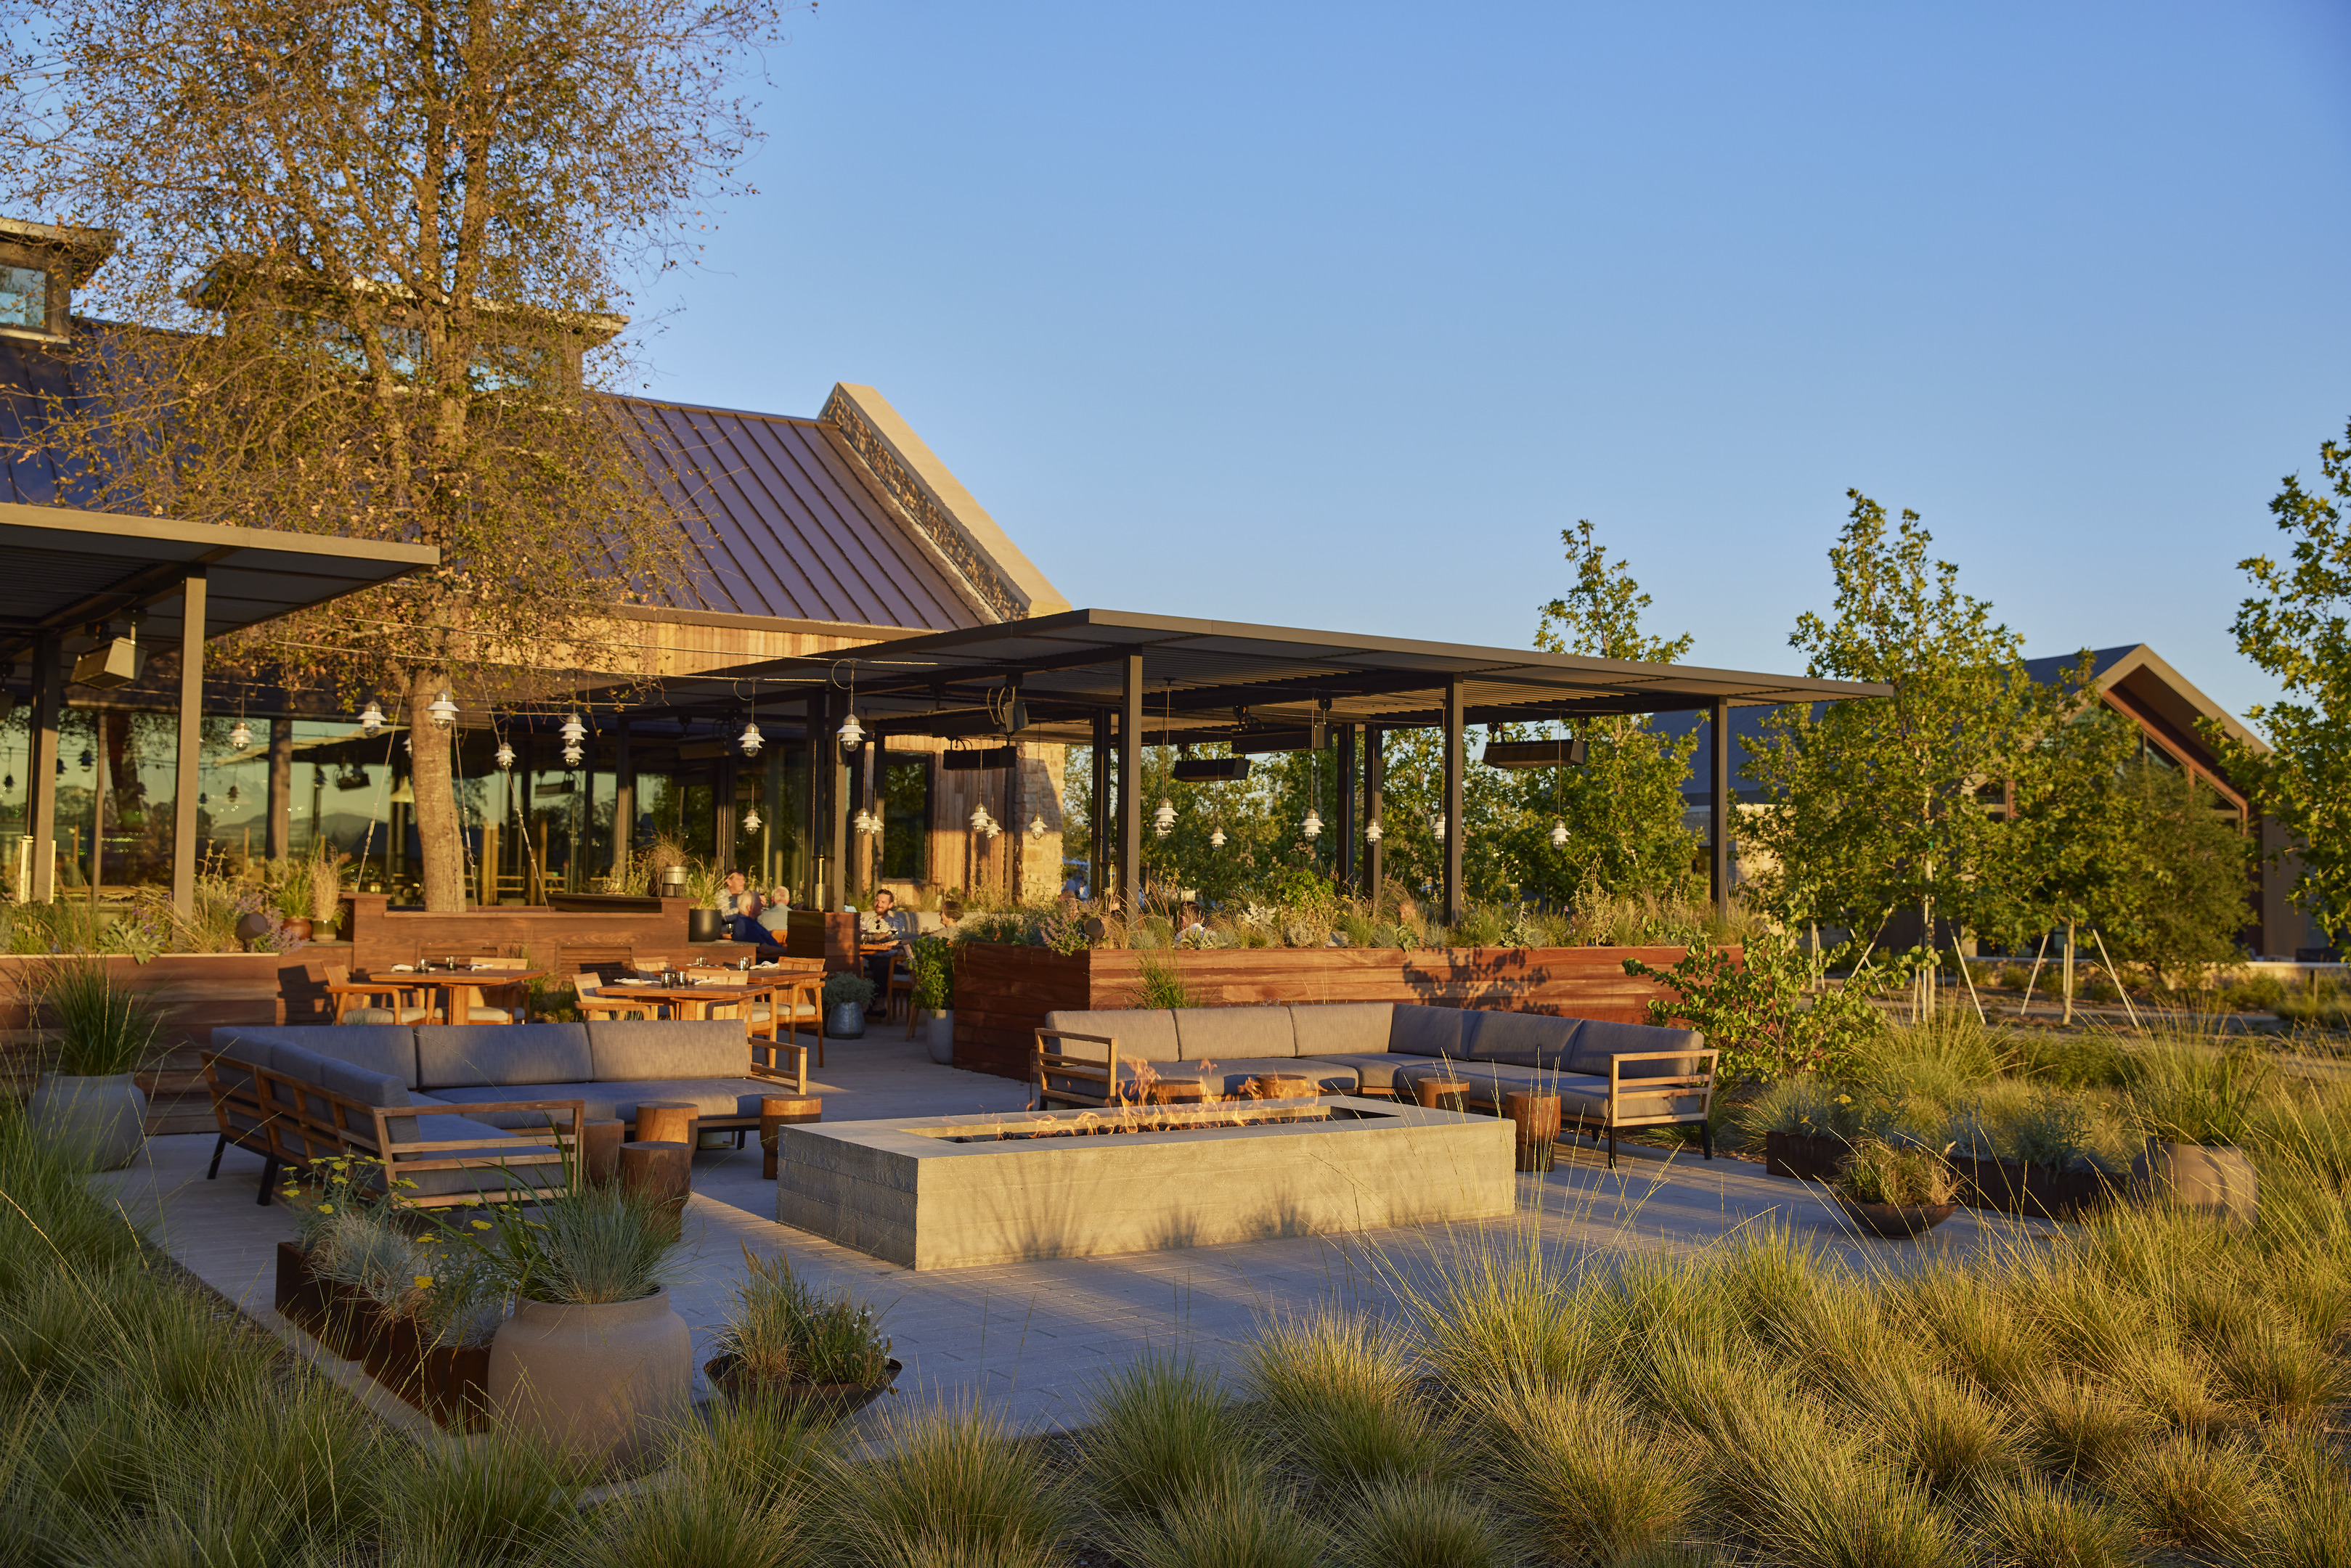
2038	1192
448	1383
1806	1157
1002	992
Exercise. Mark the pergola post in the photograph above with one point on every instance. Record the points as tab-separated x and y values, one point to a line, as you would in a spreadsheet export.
1347	808
811	888
1097	821
1719	808
722	813
1375	785
185	787
1455	767
41	788
773	872
624	805
836	812
1130	787
277	829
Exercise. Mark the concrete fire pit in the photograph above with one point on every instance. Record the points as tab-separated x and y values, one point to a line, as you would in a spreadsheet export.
954	1192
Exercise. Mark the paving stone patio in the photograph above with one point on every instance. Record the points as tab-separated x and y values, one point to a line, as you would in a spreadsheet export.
1029	1338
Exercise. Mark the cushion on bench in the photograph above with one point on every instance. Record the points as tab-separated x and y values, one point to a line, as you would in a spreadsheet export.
1415	1030
604	1102
389	1049
1335	1029
449	1055
1232	1076
639	1050
1211	1034
1143	1034
1374	1071
1597	1040
1520	1039
1490	1082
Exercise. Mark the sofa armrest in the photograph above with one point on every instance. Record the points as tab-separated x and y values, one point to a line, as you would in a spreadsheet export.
1622	1090
565	1118
774	1049
1044	1060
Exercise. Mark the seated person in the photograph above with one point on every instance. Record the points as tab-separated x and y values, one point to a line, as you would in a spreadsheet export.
775	915
885	922
740	907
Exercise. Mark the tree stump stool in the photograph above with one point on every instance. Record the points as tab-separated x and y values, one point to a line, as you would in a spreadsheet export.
1278	1086
782	1111
668	1122
1536	1117
1177	1091
600	1151
1443	1094
662	1172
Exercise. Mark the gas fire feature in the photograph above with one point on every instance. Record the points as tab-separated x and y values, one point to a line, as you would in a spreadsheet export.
954	1192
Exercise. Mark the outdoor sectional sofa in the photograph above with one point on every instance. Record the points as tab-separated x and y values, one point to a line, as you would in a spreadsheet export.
464	1111
1607	1075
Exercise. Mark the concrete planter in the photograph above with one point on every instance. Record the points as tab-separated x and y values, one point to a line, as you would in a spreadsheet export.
100	1120
601	1383
2221	1182
2038	1192
704	926
941	1037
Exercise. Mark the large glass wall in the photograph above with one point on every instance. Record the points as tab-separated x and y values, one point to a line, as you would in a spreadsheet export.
906	790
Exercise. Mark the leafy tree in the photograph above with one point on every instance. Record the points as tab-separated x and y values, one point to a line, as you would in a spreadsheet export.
1878	804
2296	628
1760	1012
2182	882
373	256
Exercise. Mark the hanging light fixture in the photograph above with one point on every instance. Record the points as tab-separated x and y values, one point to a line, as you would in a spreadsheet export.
867	822
1036	827
992	830
371	719
750	740
1217	840
1312	826
1372	831
232	791
751	820
852	734
442	711
573	731
979	819
1559	835
240	736
1436	826
506	757
1162	820
571	755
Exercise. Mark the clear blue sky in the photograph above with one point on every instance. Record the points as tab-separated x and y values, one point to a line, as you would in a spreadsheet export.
1334	316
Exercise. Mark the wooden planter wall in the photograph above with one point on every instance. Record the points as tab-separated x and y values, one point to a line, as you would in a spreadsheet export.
378	936
1002	992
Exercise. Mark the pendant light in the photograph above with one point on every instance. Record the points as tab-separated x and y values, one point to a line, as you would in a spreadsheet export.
371	719
751	820
992	830
571	755
1371	831
1036	827
573	731
1313	823
1217	840
1559	835
506	757
443	712
979	819
1162	820
750	740
1436	826
852	734
240	736
232	791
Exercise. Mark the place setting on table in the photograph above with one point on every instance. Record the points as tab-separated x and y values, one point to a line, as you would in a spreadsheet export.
460	981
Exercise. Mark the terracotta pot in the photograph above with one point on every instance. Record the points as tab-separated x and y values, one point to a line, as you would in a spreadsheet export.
1891	1219
604	1382
941	1037
2218	1181
295	926
834	1400
101	1120
1805	1157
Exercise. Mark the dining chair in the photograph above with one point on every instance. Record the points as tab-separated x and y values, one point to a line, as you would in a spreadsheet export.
515	1010
595	1002
385	1004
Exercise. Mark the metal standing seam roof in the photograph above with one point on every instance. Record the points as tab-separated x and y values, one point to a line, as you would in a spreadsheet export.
1207	680
793	530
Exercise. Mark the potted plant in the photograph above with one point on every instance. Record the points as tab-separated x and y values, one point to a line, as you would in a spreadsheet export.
847	994
595	1361
2031	1159
787	1344
2191	1105
87	1100
1895	1189
704	884
1807	1122
933	959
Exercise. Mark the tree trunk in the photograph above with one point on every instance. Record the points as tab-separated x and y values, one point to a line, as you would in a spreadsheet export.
442	855
2069	973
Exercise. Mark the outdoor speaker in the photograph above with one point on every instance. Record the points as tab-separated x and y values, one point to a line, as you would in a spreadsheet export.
1210	770
1535	753
978	761
111	663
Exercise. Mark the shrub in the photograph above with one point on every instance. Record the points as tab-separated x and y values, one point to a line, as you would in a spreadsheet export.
843	986
948	1485
1760	1012
1164	1434
1420	1524
780	1328
2205	1497
1596	1485
2034	1525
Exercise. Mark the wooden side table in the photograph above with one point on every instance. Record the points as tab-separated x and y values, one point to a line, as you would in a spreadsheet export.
1536	1117
1443	1094
782	1111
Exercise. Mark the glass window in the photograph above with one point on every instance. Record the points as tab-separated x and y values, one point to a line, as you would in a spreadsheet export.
24	298
906	820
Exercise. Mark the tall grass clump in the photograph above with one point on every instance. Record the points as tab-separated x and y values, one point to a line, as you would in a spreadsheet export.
1163	1435
1503	1311
91	1026
1340	1394
1420	1524
949	1484
1595	1485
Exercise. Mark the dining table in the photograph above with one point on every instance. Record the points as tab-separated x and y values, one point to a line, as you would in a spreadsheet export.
459	989
694	999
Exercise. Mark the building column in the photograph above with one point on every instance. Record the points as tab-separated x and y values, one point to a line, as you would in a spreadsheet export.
1130	787
1455	768
773	872
41	787
722	811
1098	827
1375	786
1717	811
837	796
624	806
278	831
818	708
184	788
1347	883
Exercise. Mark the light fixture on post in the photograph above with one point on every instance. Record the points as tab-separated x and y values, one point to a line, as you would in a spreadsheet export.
371	719
1162	820
504	756
1436	826
442	711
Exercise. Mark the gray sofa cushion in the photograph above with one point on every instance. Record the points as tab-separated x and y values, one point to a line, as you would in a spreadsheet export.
603	1102
1334	1029
1142	1034
1213	1033
639	1050
1415	1030
1520	1039
448	1055
1597	1040
1374	1071
388	1048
